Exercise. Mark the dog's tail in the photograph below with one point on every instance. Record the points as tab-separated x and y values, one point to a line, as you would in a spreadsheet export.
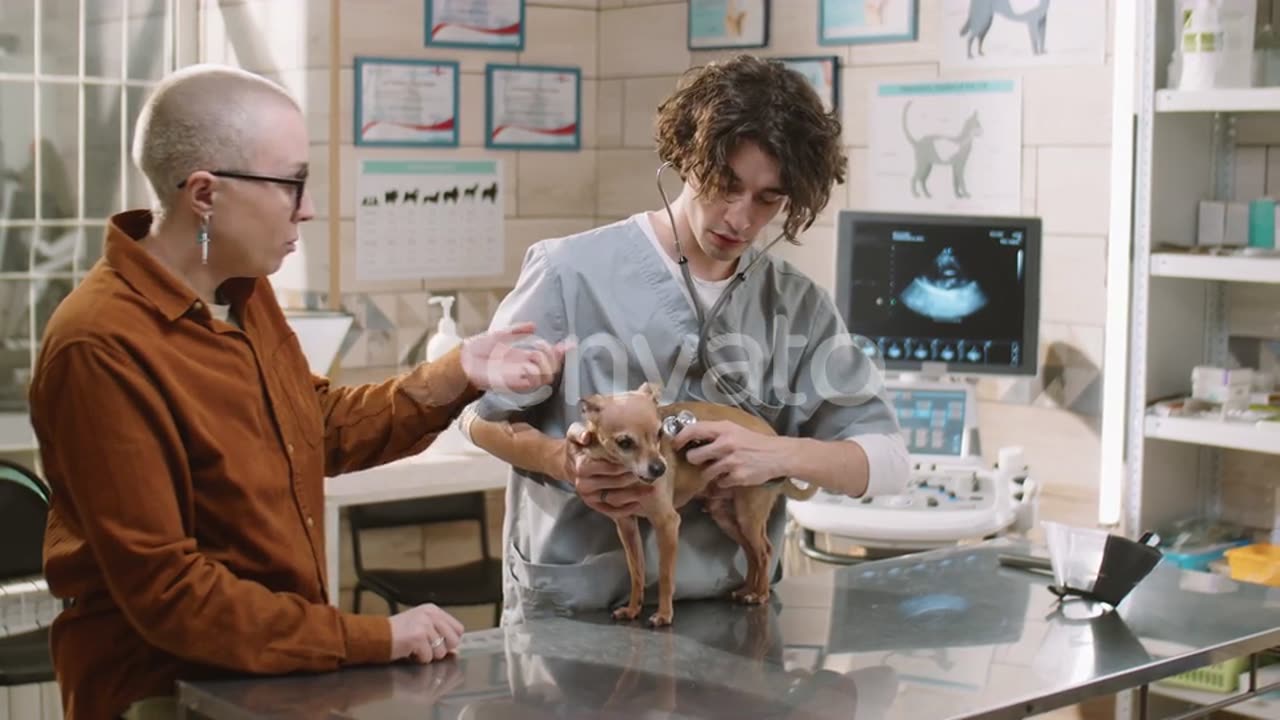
795	492
906	130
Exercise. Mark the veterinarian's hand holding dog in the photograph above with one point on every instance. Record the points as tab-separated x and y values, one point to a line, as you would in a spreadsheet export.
734	455
603	486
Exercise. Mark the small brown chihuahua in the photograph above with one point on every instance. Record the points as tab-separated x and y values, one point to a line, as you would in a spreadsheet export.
626	429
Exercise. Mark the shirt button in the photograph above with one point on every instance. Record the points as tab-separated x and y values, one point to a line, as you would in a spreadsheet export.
310	522
289	447
199	305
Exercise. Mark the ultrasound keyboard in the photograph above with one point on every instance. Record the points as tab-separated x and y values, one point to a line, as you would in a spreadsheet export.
942	504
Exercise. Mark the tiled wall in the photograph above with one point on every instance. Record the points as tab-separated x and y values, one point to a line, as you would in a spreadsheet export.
1066	152
548	194
631	53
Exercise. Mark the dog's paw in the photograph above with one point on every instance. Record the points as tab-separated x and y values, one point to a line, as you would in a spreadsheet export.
747	597
626	612
660	619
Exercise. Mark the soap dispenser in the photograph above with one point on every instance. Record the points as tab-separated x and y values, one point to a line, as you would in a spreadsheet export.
445	337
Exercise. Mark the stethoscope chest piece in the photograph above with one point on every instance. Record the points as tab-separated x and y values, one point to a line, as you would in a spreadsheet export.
673	424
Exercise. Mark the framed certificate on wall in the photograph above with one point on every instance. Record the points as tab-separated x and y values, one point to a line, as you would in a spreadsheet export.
847	22
823	73
406	102
722	24
489	24
533	107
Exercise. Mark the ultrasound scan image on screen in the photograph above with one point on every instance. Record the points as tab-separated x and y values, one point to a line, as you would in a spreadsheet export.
954	290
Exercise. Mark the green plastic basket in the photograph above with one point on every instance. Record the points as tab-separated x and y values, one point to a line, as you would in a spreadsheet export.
1223	677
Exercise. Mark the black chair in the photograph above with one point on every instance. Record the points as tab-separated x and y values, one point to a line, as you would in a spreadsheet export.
478	582
24	506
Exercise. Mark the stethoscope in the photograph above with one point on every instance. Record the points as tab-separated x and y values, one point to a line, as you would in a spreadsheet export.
737	392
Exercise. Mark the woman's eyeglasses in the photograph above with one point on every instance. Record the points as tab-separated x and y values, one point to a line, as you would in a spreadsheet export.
299	184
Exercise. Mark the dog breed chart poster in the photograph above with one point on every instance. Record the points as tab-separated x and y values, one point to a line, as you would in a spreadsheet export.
429	219
1007	33
946	147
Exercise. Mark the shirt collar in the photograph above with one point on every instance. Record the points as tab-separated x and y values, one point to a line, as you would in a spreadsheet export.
149	277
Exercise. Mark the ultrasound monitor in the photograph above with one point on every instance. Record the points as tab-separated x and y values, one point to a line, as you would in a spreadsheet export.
942	294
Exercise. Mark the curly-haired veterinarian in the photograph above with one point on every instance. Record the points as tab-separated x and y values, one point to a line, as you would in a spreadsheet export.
681	296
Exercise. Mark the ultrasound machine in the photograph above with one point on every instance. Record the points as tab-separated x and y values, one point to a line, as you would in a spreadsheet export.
940	301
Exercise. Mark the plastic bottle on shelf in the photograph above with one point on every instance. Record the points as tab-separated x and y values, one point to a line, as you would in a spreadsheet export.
1266	57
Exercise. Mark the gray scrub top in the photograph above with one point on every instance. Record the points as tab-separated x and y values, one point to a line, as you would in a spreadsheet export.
611	292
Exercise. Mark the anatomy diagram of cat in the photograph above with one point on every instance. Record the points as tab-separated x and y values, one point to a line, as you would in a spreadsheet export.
930	150
983	12
734	18
873	11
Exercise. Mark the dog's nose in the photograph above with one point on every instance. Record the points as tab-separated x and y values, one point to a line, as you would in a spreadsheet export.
657	469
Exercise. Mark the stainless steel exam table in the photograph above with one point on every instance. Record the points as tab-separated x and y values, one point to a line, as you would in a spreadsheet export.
945	634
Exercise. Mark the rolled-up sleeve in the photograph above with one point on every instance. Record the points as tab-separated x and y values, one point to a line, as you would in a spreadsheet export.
119	470
888	461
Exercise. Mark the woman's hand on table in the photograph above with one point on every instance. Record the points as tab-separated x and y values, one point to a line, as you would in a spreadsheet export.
424	634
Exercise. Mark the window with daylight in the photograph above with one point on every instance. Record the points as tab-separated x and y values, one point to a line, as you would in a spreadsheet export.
73	77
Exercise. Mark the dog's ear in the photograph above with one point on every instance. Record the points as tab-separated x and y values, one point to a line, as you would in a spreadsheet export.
590	407
653	390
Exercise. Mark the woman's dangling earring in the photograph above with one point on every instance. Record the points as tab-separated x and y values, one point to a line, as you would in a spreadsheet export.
202	239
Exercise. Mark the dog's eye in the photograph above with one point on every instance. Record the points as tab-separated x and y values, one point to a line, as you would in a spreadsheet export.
626	443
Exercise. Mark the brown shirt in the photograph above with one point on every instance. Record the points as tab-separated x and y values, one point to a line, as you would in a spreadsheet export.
187	459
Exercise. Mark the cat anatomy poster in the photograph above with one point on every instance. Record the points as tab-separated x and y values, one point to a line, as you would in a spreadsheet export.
953	147
1005	33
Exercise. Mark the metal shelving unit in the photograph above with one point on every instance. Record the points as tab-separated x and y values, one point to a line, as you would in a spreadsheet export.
1184	146
1216	267
1233	100
1183	152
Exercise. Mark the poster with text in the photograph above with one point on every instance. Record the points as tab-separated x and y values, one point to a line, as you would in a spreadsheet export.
404	102
533	108
493	24
949	147
429	219
987	33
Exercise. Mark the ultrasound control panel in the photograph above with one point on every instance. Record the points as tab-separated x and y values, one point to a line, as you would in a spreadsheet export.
941	504
939	489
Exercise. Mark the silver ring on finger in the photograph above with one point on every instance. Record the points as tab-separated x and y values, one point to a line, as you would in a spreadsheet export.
437	642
